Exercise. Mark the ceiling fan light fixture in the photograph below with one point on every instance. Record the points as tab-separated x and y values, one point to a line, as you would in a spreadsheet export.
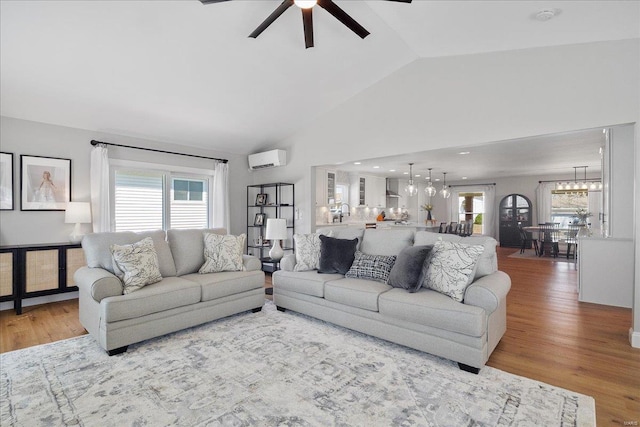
305	4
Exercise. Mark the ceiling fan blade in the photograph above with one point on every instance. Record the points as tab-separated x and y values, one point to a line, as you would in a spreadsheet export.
343	17
307	22
286	4
212	1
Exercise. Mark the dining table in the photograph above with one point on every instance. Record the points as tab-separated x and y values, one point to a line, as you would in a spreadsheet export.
564	232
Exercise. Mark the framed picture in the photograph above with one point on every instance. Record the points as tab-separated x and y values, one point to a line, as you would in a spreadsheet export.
45	183
259	219
261	199
6	181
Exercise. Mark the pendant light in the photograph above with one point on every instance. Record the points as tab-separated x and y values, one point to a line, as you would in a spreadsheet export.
445	192
430	189
411	189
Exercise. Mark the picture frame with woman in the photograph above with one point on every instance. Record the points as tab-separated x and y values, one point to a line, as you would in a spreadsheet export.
261	199
45	183
258	221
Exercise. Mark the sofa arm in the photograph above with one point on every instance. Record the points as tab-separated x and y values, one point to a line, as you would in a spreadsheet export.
251	263
488	291
288	262
99	282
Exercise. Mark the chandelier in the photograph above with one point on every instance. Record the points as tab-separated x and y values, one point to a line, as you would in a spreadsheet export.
584	184
430	189
445	192
411	189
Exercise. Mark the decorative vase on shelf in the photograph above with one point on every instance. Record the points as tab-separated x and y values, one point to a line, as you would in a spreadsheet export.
584	231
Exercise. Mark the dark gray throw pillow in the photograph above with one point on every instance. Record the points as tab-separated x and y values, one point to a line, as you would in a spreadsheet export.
336	255
407	270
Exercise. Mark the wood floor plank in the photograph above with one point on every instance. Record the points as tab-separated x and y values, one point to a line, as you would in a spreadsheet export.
551	337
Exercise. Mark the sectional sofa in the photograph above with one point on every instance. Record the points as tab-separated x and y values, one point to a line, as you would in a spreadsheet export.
466	332
182	299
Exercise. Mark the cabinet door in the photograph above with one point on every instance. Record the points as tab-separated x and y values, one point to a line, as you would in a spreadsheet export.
331	187
6	274
42	270
321	187
75	260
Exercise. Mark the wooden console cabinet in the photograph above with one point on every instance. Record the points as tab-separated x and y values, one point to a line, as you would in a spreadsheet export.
28	271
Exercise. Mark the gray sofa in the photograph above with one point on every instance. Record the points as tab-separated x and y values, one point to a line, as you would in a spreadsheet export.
182	299
466	332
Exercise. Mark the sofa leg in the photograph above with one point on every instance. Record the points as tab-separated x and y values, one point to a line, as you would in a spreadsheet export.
117	350
257	309
468	368
282	309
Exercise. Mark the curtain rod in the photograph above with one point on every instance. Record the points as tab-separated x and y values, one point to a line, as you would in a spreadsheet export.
94	142
472	185
568	180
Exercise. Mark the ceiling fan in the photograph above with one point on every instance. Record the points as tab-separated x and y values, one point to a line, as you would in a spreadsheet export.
307	18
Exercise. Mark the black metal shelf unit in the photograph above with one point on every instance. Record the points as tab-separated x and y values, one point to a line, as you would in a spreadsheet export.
264	201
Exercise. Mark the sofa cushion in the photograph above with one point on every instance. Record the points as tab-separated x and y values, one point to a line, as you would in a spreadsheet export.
219	285
451	267
136	265
307	251
303	282
355	292
187	247
430	308
336	255
98	253
372	267
488	261
407	271
386	242
170	292
222	253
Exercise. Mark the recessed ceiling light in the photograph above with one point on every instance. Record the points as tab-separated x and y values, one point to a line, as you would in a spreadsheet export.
357	163
417	176
436	179
464	152
546	14
464	177
376	167
406	173
392	170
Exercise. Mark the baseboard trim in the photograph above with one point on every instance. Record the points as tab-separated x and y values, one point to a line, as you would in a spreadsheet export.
8	305
634	338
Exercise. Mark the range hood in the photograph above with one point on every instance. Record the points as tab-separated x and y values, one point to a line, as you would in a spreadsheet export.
390	192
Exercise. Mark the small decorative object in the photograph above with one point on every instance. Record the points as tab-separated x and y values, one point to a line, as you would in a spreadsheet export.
259	219
45	183
276	231
428	208
77	213
582	215
261	199
6	181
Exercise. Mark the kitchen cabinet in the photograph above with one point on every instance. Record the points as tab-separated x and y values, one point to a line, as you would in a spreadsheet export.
325	187
367	190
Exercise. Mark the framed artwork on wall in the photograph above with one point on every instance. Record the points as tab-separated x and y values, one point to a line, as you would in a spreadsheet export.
6	181
45	183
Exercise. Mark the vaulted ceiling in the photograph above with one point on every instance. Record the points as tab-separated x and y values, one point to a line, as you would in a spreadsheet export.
184	72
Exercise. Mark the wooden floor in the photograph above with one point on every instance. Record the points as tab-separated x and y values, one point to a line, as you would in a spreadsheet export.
551	337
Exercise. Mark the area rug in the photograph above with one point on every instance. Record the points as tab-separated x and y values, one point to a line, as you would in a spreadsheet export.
269	369
531	255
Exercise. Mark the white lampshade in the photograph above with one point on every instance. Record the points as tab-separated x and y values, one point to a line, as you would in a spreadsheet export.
77	212
276	229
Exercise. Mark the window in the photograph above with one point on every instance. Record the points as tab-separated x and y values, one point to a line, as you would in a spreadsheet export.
146	199
564	205
471	208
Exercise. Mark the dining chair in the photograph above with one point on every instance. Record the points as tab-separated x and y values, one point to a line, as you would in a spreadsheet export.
549	237
453	227
527	239
572	239
443	227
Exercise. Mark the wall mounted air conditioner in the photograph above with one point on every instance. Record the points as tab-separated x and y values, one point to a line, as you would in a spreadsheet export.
268	159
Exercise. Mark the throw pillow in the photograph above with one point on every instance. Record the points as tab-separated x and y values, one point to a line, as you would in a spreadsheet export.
336	255
407	271
450	268
136	264
373	267
222	253
307	251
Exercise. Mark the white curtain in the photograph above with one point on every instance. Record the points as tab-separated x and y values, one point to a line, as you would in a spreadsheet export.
543	200
100	189
220	209
489	199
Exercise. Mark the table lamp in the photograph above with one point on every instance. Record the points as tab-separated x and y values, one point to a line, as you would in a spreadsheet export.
276	231
78	213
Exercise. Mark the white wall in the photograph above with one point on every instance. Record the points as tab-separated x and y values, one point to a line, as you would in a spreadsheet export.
39	139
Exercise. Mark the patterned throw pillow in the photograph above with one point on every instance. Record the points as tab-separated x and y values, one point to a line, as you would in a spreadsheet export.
450	268
372	267
136	265
307	251
222	253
